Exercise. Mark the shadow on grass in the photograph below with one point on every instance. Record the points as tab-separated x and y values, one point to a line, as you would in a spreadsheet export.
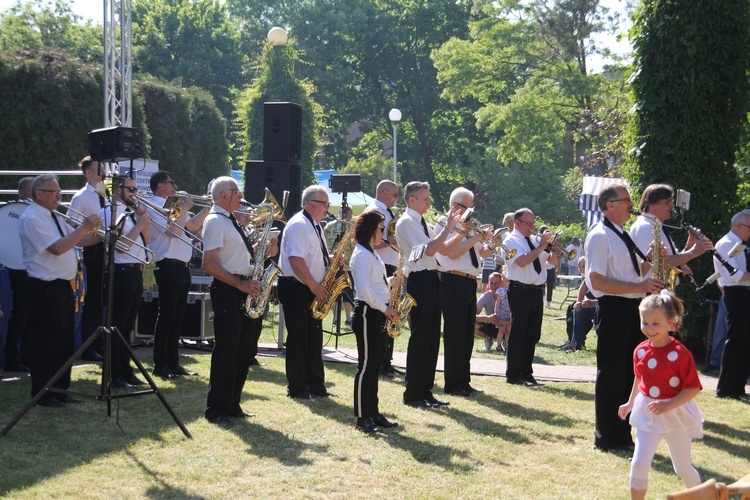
162	489
569	393
713	438
270	443
425	452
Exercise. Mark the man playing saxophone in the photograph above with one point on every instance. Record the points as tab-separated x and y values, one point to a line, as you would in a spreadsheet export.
304	260
658	201
370	315
228	257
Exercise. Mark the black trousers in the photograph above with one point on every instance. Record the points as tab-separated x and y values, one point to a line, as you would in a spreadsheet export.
368	324
18	340
735	360
618	327
93	307
127	298
52	309
458	300
527	309
173	278
424	342
551	280
230	360
388	351
304	343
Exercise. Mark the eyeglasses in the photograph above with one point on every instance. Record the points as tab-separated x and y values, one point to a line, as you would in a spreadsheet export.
170	182
382	228
530	224
742	224
132	189
56	191
233	190
621	199
464	206
326	203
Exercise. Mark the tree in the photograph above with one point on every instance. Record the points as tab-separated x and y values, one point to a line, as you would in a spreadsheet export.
690	90
38	25
277	83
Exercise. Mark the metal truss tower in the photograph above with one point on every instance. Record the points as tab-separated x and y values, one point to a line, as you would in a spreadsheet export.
118	65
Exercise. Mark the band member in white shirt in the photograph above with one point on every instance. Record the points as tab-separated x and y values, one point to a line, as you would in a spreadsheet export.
50	258
227	257
172	273
458	299
419	244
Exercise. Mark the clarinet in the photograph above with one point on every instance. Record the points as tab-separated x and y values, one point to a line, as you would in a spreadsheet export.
698	235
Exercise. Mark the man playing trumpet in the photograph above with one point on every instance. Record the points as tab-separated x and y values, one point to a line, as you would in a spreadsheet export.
527	273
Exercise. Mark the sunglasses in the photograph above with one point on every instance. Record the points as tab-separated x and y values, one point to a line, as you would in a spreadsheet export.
132	189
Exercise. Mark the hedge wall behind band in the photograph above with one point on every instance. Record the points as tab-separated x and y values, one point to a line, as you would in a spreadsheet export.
49	101
691	93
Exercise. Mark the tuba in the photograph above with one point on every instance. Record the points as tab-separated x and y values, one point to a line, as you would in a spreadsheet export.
268	211
334	285
394	328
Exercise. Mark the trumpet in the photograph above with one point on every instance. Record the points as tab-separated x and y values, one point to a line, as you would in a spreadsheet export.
123	244
170	217
493	239
556	247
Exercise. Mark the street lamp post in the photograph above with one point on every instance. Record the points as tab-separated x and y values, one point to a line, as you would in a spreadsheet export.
395	116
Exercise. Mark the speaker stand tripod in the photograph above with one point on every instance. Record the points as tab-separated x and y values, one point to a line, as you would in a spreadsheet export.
110	334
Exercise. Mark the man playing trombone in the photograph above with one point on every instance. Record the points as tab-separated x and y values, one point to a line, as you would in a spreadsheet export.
50	259
170	243
128	292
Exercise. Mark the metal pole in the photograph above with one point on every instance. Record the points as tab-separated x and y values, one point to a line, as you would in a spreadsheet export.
395	161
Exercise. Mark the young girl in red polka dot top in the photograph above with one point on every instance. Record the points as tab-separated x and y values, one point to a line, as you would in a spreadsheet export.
662	404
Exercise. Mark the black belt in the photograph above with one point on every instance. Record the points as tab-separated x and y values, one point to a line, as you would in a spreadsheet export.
472	277
737	288
173	261
139	267
526	285
242	277
428	271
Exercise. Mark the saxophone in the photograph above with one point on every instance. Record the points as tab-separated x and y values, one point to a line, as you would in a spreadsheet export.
269	210
334	285
660	269
394	328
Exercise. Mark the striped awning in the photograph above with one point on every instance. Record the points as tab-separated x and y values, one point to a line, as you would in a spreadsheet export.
588	200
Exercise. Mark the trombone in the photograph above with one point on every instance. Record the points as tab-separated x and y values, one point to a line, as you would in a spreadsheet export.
170	217
201	201
123	244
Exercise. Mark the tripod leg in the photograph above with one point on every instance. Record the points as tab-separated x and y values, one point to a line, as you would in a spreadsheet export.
151	383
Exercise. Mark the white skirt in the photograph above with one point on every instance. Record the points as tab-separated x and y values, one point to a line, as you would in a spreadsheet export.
685	418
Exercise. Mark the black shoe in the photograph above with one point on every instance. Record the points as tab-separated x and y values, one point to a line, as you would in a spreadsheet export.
519	382
133	380
530	380
180	371
121	383
301	395
366	425
225	422
724	395
18	368
419	403
255	362
709	368
49	401
92	355
163	372
472	390
323	394
620	448
436	402
240	414
385	373
457	391
70	400
383	422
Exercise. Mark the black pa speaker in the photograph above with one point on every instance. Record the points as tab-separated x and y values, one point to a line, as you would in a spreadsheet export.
115	144
282	131
277	176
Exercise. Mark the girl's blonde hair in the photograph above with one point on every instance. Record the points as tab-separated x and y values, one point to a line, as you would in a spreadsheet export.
666	300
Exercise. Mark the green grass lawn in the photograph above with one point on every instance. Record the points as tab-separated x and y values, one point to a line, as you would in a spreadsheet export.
510	442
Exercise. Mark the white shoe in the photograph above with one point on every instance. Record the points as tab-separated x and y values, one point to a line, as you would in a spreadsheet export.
487	344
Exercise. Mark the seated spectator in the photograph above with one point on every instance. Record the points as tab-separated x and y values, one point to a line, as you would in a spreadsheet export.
583	314
493	313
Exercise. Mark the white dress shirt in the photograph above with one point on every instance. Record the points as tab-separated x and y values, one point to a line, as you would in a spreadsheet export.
642	234
300	239
38	231
368	271
86	201
136	251
463	262
723	247
219	232
164	245
387	254
607	255
410	234
526	274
